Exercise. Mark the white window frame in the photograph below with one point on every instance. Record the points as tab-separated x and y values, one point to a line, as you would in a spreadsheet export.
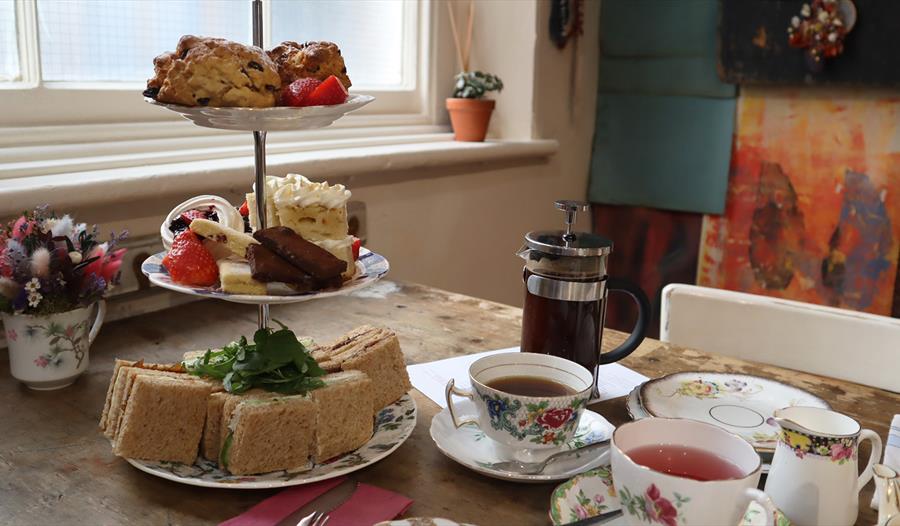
33	103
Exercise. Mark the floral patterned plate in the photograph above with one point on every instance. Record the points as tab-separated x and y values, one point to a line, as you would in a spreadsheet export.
592	493
738	403
393	426
584	496
369	268
469	446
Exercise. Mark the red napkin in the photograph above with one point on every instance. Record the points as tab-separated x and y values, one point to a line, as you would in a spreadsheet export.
275	509
368	505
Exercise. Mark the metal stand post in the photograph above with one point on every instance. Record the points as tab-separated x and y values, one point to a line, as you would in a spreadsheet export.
259	156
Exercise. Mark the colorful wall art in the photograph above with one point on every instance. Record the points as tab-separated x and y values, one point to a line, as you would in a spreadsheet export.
813	205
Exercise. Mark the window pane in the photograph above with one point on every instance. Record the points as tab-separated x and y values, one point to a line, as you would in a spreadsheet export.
116	40
369	33
9	50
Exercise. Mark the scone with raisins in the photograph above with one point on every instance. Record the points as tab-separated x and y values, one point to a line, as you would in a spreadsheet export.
214	72
318	60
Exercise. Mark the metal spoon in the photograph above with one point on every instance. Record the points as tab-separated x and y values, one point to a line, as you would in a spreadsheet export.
536	468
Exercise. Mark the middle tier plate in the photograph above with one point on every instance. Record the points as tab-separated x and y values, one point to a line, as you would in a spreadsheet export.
370	267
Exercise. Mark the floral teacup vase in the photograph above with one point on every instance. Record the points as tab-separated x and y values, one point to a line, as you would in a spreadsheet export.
50	351
524	423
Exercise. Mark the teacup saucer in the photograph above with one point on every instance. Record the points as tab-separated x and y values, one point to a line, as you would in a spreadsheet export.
469	446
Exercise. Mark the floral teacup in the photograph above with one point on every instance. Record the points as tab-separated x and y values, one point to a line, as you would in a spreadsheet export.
525	422
650	496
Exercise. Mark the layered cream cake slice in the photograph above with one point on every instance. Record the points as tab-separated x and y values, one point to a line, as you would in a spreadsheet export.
236	277
316	211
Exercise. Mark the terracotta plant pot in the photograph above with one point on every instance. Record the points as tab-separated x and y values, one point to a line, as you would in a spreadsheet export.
470	118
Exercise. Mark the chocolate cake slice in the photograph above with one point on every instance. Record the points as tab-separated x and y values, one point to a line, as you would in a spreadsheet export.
267	266
304	255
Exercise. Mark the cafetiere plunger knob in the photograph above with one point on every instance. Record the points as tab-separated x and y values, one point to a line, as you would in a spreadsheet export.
571	208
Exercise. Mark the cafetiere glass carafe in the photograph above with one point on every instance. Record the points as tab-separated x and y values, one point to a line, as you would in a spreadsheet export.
565	295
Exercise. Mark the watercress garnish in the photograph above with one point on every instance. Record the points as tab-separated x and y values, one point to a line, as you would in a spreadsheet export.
274	361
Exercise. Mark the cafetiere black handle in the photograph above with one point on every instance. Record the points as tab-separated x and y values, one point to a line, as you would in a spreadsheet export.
640	327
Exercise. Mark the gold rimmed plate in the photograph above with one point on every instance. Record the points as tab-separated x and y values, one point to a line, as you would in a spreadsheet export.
739	403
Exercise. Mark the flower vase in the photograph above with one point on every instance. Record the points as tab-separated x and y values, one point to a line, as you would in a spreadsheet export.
50	351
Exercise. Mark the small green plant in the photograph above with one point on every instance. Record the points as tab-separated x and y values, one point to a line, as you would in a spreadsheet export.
474	84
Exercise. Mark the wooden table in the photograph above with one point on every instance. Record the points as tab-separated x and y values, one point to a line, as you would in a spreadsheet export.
56	467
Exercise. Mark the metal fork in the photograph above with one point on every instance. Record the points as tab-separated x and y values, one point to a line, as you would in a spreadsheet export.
535	468
316	518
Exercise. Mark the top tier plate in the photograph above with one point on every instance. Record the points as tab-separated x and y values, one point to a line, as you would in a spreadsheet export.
279	118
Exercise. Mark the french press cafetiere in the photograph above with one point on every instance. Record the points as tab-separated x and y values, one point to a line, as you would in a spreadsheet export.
565	295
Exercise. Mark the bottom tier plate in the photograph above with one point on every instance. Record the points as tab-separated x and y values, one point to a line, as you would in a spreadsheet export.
369	268
393	426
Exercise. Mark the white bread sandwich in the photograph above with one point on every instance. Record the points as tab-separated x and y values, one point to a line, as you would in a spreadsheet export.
343	414
163	419
376	352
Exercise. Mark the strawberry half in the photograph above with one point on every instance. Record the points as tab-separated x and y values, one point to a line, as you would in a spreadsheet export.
332	91
244	210
190	263
296	93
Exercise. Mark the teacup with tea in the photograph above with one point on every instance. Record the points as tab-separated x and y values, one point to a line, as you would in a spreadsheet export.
525	401
675	471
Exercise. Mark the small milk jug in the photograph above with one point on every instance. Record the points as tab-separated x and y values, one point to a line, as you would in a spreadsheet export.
813	478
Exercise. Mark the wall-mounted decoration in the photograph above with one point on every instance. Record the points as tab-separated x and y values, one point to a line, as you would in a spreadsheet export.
820	28
813	205
832	42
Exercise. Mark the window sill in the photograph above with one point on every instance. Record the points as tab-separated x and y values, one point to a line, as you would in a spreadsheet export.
366	164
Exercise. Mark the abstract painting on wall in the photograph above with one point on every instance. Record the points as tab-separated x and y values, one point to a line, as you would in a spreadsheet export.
813	204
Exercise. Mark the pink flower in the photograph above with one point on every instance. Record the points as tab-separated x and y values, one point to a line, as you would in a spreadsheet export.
659	509
22	228
580	512
106	265
840	452
11	335
599	499
70	331
42	361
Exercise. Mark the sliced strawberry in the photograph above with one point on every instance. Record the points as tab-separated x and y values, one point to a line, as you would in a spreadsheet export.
190	215
355	247
244	210
190	263
332	91
297	92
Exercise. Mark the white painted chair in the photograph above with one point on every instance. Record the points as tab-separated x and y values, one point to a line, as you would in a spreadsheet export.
845	344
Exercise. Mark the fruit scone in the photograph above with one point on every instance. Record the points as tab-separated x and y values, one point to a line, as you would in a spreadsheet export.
315	211
214	72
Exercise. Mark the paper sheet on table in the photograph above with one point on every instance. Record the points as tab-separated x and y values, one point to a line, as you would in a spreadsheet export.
431	378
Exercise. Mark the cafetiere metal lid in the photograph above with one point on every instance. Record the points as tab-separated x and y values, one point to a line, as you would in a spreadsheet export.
566	242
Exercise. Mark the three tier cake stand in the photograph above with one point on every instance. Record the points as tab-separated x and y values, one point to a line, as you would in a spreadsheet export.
259	121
